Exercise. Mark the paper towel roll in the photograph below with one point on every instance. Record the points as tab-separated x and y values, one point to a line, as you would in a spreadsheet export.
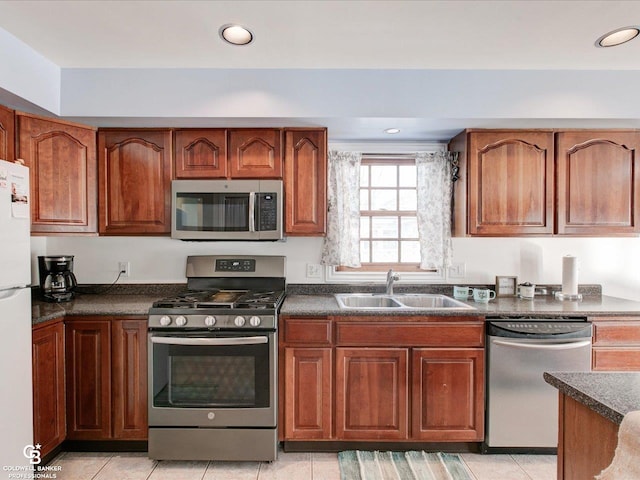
570	275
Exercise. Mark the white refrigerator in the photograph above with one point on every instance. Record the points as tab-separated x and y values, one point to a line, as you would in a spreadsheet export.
16	417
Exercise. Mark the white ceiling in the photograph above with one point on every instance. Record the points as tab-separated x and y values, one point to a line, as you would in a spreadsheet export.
482	34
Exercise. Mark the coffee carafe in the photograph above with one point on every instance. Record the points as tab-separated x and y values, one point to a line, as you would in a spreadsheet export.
57	280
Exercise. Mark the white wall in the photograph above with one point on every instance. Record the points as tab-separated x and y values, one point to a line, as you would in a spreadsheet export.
612	262
230	93
27	74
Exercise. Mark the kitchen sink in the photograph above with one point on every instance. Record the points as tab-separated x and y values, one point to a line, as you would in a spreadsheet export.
363	300
403	301
420	300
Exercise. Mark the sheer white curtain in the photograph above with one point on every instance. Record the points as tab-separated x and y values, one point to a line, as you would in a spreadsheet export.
342	243
434	190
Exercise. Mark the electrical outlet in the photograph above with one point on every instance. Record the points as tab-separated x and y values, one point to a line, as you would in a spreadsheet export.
457	270
124	268
314	270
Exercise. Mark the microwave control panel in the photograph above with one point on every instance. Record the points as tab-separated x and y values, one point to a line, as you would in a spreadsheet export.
267	211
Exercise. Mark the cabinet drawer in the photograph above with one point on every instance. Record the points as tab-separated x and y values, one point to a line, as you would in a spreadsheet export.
405	334
316	331
616	359
616	333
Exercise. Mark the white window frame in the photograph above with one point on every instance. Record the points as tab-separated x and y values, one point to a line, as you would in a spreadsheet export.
331	274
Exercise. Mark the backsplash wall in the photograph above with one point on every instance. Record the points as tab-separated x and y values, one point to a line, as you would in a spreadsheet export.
612	262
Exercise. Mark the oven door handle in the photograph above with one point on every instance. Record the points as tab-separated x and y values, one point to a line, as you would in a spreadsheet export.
210	341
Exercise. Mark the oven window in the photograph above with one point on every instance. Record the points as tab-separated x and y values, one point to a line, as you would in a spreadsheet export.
211	376
212	212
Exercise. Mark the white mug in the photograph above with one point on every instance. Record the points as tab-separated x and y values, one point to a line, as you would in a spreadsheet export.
526	290
483	295
462	293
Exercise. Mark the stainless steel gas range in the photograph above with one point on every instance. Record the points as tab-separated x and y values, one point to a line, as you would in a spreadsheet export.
213	362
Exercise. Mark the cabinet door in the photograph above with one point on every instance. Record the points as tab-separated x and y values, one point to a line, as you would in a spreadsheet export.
255	153
448	394
598	182
305	182
7	134
88	366
511	176
49	426
135	181
308	411
129	379
201	153
372	393
62	160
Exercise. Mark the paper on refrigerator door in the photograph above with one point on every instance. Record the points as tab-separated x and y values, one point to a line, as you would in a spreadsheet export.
19	195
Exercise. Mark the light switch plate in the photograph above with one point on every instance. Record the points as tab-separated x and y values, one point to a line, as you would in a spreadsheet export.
314	270
457	270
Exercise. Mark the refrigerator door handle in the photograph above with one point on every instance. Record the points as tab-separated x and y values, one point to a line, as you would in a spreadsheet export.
9	293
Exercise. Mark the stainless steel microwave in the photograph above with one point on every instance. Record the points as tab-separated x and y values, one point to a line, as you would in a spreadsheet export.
226	209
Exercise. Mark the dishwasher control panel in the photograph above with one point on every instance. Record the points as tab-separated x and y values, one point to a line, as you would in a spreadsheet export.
537	328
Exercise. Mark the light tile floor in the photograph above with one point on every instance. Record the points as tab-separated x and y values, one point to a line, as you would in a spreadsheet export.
289	466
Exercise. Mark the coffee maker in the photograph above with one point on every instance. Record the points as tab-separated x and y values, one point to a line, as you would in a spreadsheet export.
57	280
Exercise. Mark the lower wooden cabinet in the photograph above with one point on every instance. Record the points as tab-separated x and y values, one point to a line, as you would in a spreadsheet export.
372	394
448	394
409	379
106	378
308	393
49	427
616	344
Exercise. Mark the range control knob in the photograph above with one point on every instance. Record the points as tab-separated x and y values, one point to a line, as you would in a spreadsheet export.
181	321
209	320
239	321
255	321
165	320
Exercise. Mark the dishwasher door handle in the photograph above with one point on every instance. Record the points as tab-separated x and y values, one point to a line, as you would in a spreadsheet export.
543	346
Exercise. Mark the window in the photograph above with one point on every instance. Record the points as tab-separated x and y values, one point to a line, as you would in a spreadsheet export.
388	223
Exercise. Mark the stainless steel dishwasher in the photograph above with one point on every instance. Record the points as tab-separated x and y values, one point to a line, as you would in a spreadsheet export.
522	409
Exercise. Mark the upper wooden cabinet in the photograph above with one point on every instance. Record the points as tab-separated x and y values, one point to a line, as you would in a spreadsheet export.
236	153
7	134
61	157
506	185
201	153
134	181
255	153
543	182
305	181
598	182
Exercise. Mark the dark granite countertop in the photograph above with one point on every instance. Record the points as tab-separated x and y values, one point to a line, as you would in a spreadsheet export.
590	305
123	300
610	394
318	300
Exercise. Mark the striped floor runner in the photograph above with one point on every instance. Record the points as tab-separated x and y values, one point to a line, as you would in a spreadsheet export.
364	465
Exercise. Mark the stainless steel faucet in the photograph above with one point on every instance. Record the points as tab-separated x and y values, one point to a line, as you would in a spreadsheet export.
391	277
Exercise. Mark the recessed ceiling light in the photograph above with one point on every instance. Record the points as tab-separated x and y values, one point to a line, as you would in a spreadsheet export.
391	131
236	34
618	37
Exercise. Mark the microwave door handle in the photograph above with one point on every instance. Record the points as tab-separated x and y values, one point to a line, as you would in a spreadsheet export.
210	341
252	211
